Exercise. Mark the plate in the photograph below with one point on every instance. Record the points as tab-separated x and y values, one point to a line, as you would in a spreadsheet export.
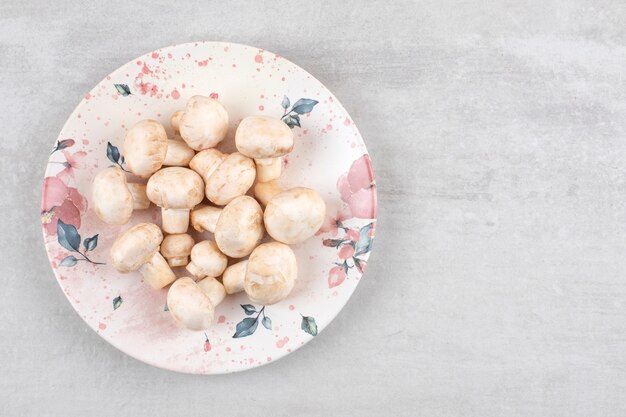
329	156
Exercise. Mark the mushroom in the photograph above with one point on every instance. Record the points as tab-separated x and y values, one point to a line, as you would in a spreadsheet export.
232	178
213	289
206	162
176	249
268	169
204	123
114	199
178	154
263	137
175	121
206	260
271	273
265	191
294	215
190	305
145	147
205	218
176	190
138	249
233	277
239	228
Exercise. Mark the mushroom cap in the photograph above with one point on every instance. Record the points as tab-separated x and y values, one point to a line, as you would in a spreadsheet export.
189	305
177	245
206	161
208	258
175	188
145	147
263	137
232	178
204	123
112	200
239	228
135	247
294	215
271	273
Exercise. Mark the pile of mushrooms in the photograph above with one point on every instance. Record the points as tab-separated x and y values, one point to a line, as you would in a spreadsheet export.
194	184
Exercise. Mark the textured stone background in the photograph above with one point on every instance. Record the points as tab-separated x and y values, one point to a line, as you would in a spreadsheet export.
497	132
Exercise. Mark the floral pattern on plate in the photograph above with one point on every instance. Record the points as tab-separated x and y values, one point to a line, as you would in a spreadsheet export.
329	156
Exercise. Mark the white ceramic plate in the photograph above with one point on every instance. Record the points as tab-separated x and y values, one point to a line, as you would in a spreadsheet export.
329	156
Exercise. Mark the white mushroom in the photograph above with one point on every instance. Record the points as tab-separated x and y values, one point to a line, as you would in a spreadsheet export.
265	191
206	162
175	121
204	123
176	249
204	218
233	277
213	289
268	169
178	154
138	249
207	260
232	178
261	137
145	147
189	305
239	228
294	215
114	199
271	273
176	190
140	198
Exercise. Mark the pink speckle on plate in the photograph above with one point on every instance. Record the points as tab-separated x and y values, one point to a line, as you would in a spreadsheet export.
282	342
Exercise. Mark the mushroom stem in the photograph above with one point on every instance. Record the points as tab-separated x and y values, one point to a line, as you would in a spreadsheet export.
175	121
178	153
205	218
234	276
178	261
157	272
138	192
265	191
175	220
268	169
195	271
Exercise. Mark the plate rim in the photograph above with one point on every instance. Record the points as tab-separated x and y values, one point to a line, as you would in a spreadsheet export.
112	340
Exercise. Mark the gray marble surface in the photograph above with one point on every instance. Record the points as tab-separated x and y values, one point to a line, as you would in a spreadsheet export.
497	286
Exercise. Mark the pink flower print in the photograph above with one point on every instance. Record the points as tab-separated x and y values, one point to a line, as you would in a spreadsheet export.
357	189
60	202
333	223
336	276
346	252
72	162
329	226
145	88
353	235
207	344
360	174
